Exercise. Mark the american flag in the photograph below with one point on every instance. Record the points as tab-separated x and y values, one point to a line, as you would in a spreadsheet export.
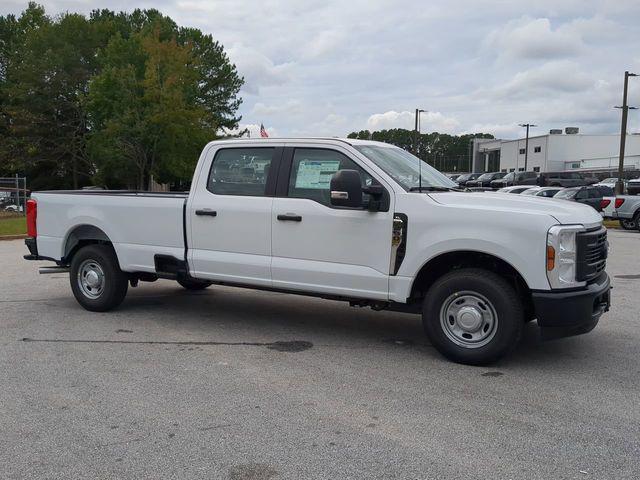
263	132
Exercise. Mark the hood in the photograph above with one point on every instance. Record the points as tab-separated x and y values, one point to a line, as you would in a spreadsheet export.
563	211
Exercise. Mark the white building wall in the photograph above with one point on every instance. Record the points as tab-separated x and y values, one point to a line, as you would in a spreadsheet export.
567	152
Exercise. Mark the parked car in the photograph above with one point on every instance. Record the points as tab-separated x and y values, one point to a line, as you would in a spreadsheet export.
563	179
13	208
453	176
609	182
633	187
607	207
347	220
626	209
514	189
465	177
485	180
590	195
515	178
545	192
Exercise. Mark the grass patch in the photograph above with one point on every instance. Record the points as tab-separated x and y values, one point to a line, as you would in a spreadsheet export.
611	224
13	225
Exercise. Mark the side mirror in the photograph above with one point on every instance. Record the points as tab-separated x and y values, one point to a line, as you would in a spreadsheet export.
346	189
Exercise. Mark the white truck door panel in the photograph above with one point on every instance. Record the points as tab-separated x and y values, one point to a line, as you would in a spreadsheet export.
324	249
230	218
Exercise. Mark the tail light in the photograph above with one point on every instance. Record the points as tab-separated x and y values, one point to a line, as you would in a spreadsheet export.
32	215
619	202
604	203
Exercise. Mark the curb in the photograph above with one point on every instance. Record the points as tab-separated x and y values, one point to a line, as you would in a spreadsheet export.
12	237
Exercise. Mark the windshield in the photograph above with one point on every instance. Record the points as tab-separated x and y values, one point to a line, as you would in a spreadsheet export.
405	168
509	176
485	176
568	193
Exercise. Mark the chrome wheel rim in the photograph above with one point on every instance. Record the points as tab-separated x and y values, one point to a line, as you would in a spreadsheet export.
468	319
91	279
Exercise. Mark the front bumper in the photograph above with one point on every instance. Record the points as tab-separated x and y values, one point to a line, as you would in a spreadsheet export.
562	314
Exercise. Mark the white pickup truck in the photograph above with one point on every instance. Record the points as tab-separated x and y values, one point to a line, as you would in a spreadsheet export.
342	219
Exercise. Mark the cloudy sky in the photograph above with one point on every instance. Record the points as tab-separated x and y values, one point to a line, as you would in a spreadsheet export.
322	67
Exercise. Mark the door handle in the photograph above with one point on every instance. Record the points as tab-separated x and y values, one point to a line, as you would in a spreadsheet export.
290	218
209	213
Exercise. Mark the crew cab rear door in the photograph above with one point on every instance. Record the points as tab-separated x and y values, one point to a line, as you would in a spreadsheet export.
229	214
321	248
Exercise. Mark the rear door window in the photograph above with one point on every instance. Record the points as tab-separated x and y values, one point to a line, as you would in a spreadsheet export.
240	171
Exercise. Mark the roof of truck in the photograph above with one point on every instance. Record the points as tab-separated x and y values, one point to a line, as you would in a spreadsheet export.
349	141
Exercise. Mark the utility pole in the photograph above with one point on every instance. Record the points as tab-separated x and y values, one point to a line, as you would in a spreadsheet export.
623	132
526	144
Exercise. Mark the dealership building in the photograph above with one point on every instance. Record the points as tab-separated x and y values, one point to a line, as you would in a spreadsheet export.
557	151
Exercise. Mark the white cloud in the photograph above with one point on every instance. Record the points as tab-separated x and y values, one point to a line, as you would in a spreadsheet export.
429	121
528	38
258	70
254	130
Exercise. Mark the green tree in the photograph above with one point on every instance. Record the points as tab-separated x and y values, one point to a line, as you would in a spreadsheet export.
113	98
44	97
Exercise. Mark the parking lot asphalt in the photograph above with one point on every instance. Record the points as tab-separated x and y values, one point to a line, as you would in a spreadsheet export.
176	384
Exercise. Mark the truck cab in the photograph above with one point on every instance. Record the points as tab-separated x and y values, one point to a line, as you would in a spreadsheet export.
358	221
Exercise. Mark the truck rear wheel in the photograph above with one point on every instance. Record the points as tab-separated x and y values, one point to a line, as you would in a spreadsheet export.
630	223
473	316
193	284
96	279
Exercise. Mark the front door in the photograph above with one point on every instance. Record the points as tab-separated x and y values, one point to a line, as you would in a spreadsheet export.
320	248
229	216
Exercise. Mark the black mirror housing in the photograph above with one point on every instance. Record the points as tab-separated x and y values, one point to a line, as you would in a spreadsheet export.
346	189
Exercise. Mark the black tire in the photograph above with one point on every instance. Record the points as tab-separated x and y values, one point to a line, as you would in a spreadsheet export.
193	284
489	306
111	284
630	224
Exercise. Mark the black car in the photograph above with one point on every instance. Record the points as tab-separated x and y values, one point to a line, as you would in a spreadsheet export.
516	178
485	179
588	195
465	177
564	179
633	187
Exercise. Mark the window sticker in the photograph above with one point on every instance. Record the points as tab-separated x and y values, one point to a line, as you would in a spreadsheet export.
316	174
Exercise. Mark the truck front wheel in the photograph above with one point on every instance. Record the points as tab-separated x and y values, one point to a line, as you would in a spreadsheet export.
472	316
96	279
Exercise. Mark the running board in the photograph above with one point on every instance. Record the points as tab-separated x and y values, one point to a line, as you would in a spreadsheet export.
48	270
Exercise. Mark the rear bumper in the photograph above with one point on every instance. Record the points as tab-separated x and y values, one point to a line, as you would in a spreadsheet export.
33	248
32	245
563	314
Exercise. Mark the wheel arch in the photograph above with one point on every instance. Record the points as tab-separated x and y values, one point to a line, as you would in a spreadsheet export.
446	262
81	235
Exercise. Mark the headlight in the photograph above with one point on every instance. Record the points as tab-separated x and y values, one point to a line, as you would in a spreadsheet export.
561	256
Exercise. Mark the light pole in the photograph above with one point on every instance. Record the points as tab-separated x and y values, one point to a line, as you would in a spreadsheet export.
623	132
526	144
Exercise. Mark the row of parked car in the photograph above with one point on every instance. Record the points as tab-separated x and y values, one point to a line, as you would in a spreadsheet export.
624	208
497	180
572	186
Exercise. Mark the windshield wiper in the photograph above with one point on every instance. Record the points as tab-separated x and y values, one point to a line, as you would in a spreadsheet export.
434	188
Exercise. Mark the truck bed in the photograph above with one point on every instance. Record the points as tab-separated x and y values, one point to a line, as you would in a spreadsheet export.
140	225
